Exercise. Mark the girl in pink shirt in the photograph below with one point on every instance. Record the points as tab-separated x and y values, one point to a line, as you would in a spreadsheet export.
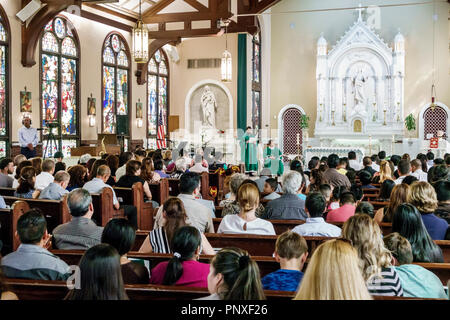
183	269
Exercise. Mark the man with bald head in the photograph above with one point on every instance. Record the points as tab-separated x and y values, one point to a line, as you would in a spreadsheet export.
28	139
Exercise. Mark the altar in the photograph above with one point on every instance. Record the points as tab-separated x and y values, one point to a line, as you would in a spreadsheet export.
360	92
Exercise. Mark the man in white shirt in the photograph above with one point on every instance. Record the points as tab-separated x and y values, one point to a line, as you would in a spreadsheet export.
28	139
416	168
404	168
198	166
123	159
352	162
199	215
375	160
315	226
46	176
97	184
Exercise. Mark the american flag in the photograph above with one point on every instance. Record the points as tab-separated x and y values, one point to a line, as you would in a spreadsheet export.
160	139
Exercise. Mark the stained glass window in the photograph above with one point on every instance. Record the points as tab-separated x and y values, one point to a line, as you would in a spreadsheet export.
59	85
256	81
157	97
4	87
115	83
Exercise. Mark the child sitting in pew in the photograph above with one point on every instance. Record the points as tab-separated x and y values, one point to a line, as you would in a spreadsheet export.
291	251
270	187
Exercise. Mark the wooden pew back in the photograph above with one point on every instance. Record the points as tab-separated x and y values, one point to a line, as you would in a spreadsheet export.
160	191
56	212
103	207
8	226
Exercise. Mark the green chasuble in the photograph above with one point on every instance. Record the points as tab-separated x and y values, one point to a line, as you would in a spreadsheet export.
275	165
251	153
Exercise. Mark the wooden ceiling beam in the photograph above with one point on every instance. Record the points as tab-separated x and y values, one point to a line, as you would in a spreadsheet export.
110	11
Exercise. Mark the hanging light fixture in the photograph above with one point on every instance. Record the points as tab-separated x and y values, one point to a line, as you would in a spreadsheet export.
227	62
433	98
140	39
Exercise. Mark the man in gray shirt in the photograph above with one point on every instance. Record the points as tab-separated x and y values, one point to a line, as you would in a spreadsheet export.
81	233
57	189
32	260
6	168
289	205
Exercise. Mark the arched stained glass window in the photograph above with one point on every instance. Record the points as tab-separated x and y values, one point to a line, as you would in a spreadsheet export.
59	86
157	100
256	81
115	86
4	84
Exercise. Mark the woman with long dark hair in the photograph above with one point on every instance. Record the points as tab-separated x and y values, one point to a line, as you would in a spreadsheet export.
159	240
101	276
78	175
234	275
20	166
399	195
408	223
316	179
385	190
183	268
120	234
148	171
26	187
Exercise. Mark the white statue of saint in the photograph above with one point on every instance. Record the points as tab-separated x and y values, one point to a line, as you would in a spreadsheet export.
359	82
209	107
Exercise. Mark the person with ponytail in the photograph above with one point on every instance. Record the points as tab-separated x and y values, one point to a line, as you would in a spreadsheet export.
183	268
246	221
26	187
174	216
234	275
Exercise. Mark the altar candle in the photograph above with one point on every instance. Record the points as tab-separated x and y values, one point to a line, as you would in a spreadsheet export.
298	138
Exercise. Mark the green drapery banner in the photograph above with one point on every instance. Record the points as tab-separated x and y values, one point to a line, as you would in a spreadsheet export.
242	82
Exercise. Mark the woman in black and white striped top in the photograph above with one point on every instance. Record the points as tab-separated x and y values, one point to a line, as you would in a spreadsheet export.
375	260
174	217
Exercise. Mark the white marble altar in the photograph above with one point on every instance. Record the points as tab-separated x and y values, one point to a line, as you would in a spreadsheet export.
360	89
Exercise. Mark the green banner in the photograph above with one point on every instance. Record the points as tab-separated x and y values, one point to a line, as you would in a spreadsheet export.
242	82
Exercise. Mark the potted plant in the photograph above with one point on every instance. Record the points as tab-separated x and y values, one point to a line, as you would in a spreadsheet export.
304	125
410	124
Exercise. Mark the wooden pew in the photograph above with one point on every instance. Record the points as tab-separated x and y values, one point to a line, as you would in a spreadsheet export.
204	178
217	180
160	191
174	187
8	226
378	205
56	212
57	290
7	192
264	245
135	196
103	207
281	226
266	264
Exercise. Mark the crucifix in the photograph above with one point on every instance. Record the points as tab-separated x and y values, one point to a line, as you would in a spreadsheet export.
360	10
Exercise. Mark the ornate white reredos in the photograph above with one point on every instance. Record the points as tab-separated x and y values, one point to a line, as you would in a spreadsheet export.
360	78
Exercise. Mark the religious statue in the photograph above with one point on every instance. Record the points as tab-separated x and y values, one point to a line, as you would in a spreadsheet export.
359	90
209	107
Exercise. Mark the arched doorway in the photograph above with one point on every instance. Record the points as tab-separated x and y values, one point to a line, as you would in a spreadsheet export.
290	137
430	121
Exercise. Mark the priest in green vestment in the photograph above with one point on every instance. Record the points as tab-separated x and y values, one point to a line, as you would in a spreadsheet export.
251	151
272	159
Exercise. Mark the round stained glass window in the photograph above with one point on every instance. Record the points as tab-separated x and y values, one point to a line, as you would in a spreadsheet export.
115	42
60	29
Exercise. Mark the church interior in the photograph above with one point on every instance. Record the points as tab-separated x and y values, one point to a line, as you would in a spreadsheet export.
261	88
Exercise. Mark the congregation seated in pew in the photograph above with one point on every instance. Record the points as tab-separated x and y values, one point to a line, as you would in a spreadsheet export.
56	189
45	177
26	188
416	281
32	260
291	251
246	221
174	216
120	234
183	268
81	232
6	169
